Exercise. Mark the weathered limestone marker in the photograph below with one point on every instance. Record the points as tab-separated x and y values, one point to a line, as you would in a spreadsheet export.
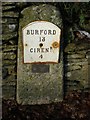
40	57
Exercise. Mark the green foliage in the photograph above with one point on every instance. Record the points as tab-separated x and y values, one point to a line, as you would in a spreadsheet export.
82	18
76	15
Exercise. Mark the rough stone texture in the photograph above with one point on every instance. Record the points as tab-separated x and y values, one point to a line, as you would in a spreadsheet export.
8	3
8	28
10	14
77	68
71	65
10	56
9	49
9	21
8	91
8	8
0	70
9	36
39	88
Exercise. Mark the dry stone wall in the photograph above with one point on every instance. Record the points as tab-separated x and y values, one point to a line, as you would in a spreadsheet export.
77	66
76	75
9	48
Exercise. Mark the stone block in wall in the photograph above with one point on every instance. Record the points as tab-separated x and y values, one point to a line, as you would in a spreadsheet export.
13	41
10	79
8	7
76	48
4	73
8	91
71	61
79	75
9	21
9	62
76	66
71	66
11	70
0	67
8	3
70	48
9	56
9	36
76	56
8	48
82	46
8	70
8	82
10	14
9	28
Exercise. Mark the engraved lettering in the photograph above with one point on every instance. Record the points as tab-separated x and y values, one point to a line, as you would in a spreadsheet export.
54	32
45	32
36	32
41	32
31	50
32	32
40	50
49	32
47	49
40	37
28	32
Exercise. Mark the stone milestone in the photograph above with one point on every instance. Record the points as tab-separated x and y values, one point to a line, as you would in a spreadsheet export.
40	56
